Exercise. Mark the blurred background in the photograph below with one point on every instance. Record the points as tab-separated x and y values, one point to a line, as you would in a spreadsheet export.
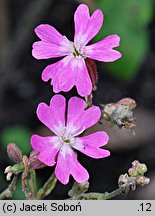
21	87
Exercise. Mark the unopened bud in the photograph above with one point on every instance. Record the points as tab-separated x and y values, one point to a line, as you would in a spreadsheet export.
128	102
142	180
35	163
132	172
14	153
135	163
78	189
137	168
142	168
120	113
84	186
92	70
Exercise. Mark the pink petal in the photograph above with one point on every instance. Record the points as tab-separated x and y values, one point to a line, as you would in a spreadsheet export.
73	72
49	34
48	148
52	43
103	50
90	144
53	116
69	72
67	164
45	50
51	70
86	27
80	119
76	107
65	78
90	117
83	81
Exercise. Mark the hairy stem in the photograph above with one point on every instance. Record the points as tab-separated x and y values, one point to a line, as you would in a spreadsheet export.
33	183
102	196
47	187
25	177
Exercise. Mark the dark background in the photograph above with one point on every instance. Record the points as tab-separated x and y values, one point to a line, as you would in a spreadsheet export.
21	89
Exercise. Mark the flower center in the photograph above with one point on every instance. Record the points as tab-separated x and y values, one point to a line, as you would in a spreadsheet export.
77	51
67	140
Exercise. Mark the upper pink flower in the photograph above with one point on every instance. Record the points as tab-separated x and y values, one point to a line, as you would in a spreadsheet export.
72	70
59	148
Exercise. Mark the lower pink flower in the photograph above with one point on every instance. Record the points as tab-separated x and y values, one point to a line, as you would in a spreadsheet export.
59	149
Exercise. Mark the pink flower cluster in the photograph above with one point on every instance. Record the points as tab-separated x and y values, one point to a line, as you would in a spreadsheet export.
64	74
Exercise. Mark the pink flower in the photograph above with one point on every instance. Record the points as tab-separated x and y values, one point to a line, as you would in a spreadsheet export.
58	149
72	70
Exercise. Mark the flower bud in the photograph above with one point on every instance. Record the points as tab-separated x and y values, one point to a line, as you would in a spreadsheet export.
132	172
10	170
128	102
135	163
120	113
14	153
92	70
142	168
84	186
137	168
78	189
142	180
35	163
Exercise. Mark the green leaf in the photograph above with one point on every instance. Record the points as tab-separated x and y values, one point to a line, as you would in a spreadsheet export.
19	135
128	19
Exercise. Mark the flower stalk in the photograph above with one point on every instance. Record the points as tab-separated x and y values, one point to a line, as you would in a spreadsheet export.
25	177
33	183
47	187
126	184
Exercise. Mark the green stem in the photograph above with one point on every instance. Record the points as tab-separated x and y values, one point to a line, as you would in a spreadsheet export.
33	182
102	196
47	187
113	193
7	193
